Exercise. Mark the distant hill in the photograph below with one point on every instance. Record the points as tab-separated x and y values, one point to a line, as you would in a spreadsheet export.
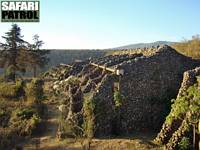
67	56
142	45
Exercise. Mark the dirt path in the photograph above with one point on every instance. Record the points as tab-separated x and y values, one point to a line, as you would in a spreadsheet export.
49	134
48	140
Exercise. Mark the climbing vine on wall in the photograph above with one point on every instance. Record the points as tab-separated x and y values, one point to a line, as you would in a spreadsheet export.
118	98
88	107
190	101
185	109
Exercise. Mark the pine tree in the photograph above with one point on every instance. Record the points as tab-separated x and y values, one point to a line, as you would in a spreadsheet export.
19	55
10	49
37	57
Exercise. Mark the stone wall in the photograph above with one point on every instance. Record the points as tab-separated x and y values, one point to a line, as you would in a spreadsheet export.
170	134
149	84
104	110
151	79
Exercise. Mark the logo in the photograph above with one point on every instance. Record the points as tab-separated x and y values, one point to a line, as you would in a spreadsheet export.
20	11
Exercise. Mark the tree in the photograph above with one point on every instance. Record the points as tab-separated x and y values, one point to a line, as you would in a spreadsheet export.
10	49
37	57
37	43
19	55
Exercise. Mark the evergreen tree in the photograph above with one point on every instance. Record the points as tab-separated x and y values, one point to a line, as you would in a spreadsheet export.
37	57
10	49
37	43
18	55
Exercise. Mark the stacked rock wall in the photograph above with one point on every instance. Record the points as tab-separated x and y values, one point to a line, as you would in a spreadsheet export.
171	134
149	84
104	107
151	79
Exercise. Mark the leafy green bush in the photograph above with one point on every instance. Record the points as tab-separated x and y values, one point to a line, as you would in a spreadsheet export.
184	144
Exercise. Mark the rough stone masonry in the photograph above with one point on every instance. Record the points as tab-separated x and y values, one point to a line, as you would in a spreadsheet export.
151	79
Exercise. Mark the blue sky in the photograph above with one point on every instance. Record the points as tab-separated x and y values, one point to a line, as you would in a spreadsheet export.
93	24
